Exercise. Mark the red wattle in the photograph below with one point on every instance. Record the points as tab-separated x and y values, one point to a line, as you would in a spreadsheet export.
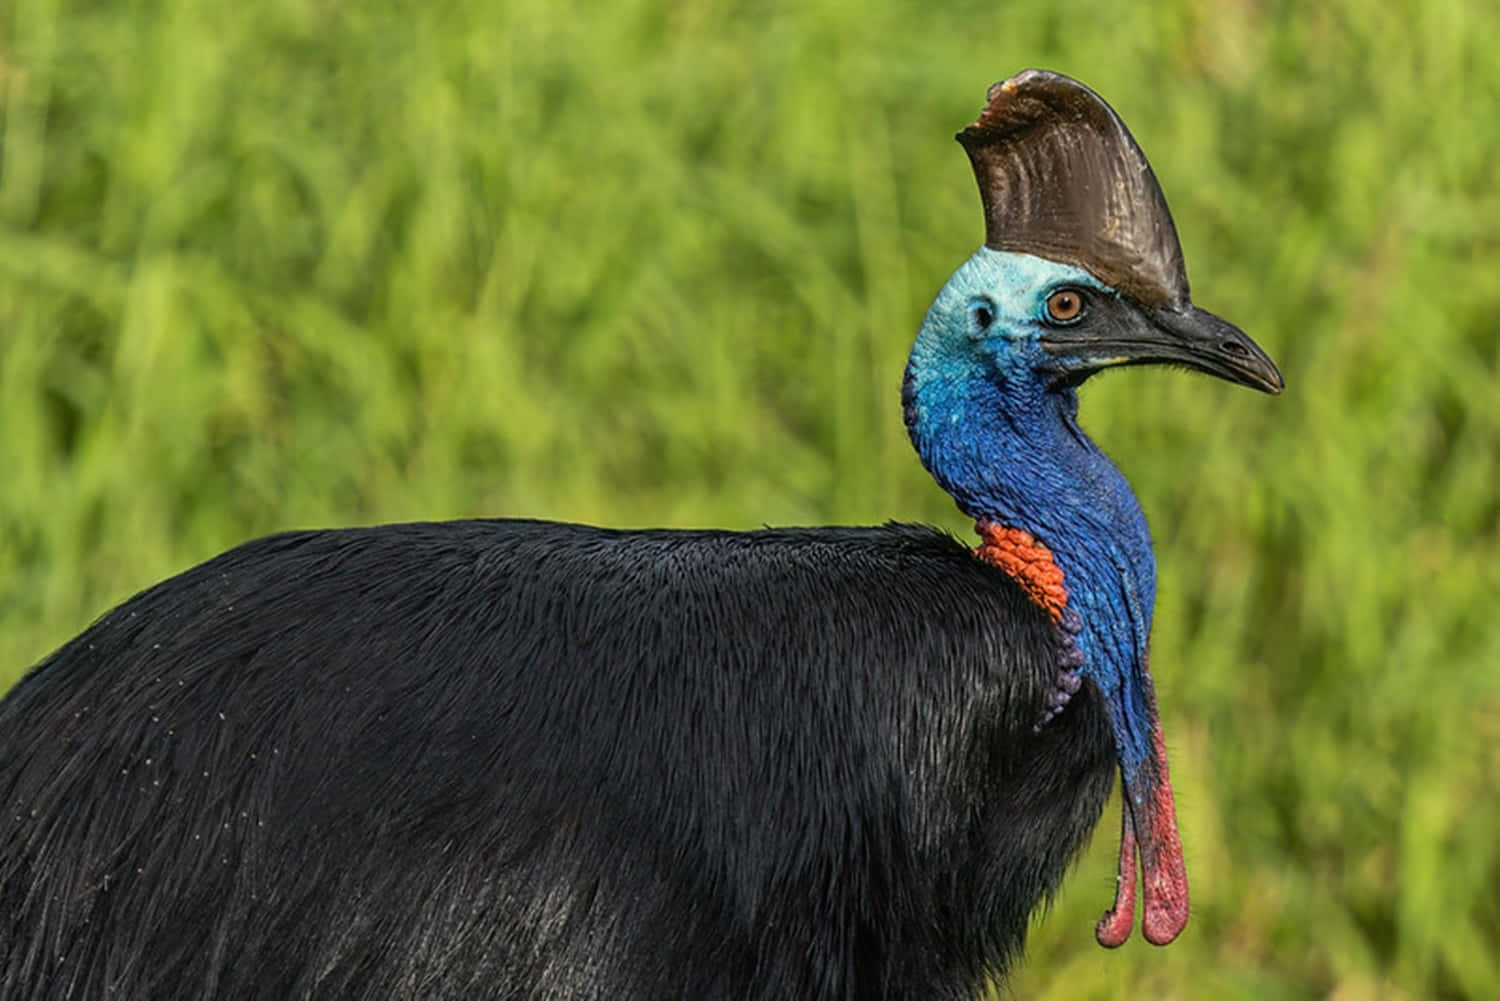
1114	928
1164	873
1148	830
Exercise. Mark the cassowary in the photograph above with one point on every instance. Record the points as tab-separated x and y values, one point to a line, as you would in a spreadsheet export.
517	759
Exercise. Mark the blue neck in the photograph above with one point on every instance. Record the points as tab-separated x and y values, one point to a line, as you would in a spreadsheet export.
1009	450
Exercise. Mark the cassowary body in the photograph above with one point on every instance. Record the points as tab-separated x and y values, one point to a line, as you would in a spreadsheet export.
502	759
530	760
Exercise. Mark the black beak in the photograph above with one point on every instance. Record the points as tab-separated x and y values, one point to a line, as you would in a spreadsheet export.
1123	333
1201	340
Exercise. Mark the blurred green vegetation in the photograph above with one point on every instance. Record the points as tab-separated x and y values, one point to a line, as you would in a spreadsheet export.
294	263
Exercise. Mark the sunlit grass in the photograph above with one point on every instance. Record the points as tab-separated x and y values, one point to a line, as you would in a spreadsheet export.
284	264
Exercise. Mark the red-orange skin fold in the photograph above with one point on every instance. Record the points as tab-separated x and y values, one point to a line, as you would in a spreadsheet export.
1027	561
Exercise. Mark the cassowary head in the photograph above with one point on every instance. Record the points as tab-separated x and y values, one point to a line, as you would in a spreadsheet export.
1081	268
1081	271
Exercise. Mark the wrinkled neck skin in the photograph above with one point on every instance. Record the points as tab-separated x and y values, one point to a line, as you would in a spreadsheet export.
1009	450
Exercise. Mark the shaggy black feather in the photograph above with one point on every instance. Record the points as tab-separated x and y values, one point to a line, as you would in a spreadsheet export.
507	759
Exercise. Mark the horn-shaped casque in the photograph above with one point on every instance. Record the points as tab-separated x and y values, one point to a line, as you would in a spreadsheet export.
1062	178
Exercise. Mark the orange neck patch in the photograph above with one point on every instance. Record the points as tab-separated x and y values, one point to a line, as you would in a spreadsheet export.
1027	561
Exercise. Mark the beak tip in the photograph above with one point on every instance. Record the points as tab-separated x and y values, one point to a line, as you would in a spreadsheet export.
1272	384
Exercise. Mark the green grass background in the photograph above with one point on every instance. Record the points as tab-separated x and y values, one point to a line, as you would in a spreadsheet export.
299	263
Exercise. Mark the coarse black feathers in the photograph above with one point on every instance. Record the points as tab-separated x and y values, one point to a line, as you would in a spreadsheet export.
509	759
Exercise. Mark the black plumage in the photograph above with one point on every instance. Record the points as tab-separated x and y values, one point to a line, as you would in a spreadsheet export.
509	759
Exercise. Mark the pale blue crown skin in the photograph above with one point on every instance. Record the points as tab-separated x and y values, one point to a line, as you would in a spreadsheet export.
996	432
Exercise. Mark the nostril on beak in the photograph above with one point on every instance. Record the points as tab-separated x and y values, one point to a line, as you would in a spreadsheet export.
1235	348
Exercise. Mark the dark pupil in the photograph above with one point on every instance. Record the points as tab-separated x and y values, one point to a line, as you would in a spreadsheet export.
983	317
1064	305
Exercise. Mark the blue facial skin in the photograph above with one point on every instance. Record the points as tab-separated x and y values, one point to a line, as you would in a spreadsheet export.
999	431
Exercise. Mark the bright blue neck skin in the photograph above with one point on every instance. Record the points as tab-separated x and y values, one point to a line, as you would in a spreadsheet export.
1002	438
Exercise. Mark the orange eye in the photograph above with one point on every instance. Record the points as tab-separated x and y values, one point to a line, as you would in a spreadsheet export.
1064	305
